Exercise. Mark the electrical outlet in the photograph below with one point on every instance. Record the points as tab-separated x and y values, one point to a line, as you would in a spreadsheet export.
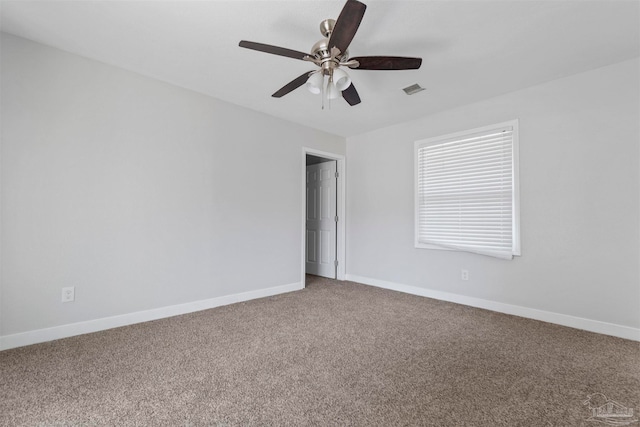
68	294
464	274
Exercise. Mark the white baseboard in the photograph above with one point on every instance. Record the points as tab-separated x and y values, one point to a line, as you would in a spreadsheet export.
597	326
69	330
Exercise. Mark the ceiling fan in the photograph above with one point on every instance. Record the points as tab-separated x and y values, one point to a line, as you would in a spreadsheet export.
331	53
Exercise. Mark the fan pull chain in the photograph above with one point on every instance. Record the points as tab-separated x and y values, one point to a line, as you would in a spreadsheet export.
322	93
330	80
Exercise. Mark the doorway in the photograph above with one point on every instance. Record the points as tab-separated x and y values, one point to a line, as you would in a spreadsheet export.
321	217
323	228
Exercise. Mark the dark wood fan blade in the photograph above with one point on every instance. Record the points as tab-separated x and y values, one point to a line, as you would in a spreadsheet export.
292	85
387	63
347	24
350	95
275	50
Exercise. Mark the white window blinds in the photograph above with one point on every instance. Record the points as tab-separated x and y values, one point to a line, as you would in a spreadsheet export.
466	191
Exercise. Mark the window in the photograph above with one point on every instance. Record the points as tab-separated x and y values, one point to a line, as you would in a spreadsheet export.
467	191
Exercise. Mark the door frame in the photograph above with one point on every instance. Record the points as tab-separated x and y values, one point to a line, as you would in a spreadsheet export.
340	209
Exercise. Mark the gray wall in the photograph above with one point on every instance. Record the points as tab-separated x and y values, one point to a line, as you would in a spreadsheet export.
138	193
144	195
580	187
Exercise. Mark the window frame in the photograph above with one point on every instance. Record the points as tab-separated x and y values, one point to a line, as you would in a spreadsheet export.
514	124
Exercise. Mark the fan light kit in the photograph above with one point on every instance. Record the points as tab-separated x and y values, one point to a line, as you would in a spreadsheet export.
330	54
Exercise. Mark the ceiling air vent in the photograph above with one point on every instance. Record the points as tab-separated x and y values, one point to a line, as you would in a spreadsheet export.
415	88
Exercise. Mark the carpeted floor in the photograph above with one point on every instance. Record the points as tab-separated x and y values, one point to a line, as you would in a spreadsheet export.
335	353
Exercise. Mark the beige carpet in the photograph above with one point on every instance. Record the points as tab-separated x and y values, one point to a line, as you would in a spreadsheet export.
331	354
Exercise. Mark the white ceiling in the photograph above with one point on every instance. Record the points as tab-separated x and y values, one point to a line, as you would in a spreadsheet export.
471	50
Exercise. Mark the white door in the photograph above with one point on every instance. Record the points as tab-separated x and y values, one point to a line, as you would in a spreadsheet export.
321	219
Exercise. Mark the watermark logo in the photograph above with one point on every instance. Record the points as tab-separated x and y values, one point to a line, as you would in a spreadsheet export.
609	412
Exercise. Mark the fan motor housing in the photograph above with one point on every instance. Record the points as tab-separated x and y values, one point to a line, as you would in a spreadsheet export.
321	51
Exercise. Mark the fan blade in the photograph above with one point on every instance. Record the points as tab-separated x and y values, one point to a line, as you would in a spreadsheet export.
347	24
275	50
350	95
387	63
292	85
